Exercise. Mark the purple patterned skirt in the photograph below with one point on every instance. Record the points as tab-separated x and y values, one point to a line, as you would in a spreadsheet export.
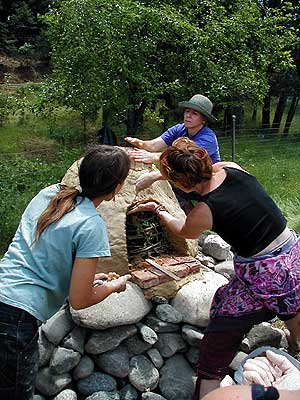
271	282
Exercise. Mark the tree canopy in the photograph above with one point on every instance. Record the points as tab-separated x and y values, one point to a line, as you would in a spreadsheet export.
128	54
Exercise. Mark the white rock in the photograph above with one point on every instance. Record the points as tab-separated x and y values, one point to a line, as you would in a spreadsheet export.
117	309
193	300
216	247
225	268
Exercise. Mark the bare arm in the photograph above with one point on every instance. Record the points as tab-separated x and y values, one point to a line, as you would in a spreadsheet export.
82	293
154	145
243	392
190	227
145	180
198	220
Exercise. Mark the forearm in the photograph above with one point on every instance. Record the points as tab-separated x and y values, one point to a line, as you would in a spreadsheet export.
148	146
95	295
175	225
156	176
154	146
289	394
99	293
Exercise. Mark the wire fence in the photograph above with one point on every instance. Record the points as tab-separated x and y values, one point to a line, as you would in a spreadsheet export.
24	173
234	143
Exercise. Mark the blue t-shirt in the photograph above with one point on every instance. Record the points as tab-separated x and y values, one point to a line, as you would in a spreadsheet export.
205	138
35	276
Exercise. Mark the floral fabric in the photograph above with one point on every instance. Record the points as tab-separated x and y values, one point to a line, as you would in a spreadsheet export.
271	282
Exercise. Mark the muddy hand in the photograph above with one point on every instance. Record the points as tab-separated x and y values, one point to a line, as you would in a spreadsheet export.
145	180
150	206
134	141
119	284
143	156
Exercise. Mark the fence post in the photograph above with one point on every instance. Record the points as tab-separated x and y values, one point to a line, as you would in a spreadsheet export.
233	138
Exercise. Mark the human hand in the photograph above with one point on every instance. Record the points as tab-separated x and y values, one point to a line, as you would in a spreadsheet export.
290	374
136	142
145	180
260	370
144	156
98	278
274	369
119	284
148	206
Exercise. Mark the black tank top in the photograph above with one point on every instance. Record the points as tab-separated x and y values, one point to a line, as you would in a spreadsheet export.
244	215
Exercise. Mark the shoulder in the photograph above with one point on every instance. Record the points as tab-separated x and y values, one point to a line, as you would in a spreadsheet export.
178	128
208	133
173	133
226	164
49	190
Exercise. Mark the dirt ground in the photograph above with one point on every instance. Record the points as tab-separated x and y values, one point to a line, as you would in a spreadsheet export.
14	71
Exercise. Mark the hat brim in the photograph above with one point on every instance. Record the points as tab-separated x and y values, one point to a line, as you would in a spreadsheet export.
193	106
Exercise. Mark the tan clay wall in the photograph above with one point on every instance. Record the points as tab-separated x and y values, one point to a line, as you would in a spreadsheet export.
114	215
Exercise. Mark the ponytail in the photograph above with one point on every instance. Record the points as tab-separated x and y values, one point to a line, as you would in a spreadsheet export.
59	205
102	169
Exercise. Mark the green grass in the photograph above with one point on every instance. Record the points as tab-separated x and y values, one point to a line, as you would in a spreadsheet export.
275	162
36	152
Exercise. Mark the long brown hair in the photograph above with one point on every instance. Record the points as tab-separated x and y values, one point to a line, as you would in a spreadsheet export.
185	163
101	170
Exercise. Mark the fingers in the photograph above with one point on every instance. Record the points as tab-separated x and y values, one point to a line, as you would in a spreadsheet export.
264	363
112	275
134	141
141	156
280	361
102	278
250	377
150	206
258	371
130	139
100	275
119	284
143	183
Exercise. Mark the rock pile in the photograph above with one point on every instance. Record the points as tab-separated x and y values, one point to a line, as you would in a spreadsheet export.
130	348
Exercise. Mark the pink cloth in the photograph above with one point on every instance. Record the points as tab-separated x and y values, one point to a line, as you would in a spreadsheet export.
272	283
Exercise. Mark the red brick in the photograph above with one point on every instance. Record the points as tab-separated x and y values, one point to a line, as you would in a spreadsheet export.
145	279
181	270
161	276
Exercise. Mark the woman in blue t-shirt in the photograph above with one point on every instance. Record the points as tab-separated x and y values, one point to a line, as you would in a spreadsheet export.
197	113
53	255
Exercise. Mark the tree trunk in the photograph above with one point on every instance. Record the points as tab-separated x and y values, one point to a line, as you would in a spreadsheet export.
170	111
278	113
135	118
265	121
290	115
254	114
84	129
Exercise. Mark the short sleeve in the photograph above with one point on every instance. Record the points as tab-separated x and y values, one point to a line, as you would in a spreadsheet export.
172	134
208	140
91	239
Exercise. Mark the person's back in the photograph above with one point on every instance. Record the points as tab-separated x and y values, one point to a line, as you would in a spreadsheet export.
244	215
54	254
46	264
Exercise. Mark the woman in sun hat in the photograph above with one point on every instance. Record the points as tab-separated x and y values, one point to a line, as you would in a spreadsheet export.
197	114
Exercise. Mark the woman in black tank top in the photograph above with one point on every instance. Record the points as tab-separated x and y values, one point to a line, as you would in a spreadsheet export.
235	206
